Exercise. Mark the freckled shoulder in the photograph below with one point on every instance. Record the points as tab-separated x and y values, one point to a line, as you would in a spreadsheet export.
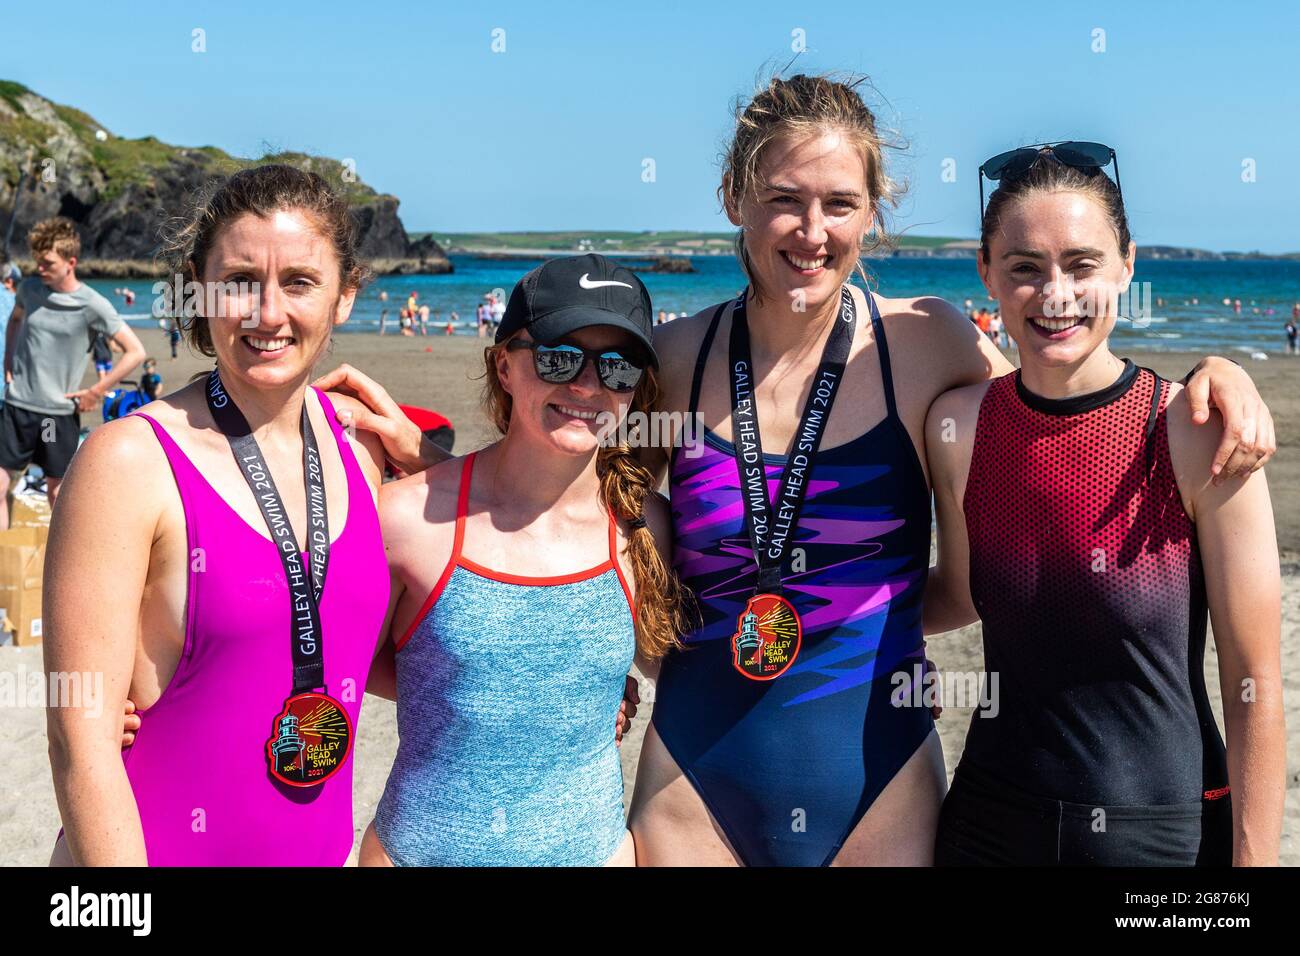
932	344
677	344
411	508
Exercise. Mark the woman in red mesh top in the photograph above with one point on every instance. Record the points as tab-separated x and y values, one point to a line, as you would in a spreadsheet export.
1078	520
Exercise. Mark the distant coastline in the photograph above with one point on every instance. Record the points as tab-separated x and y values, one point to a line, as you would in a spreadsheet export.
541	245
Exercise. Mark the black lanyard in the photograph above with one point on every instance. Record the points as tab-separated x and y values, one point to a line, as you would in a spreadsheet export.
770	529
305	594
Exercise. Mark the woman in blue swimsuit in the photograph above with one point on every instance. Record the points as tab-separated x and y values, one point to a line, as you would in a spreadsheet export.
774	740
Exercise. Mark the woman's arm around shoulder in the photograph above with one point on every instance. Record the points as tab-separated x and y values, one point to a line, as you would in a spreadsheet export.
934	337
1238	546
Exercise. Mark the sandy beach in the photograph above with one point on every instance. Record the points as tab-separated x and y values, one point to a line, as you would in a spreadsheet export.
440	372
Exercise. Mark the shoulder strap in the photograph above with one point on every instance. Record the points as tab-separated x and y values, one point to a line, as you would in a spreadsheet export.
1157	402
702	359
882	347
462	505
613	539
618	569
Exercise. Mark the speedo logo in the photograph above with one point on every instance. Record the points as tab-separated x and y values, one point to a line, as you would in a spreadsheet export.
599	283
134	910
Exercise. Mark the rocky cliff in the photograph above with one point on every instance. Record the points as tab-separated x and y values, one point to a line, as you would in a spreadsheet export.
118	191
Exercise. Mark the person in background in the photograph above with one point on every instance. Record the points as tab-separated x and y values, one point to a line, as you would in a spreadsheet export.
1291	332
997	334
102	355
9	279
129	296
498	307
424	319
45	359
174	336
151	381
383	320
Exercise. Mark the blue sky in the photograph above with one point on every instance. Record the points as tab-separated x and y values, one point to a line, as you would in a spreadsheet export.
552	132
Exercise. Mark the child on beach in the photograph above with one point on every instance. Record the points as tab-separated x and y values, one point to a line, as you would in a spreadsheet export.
151	382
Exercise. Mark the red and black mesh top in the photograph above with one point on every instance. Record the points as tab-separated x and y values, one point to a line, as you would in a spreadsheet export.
1085	571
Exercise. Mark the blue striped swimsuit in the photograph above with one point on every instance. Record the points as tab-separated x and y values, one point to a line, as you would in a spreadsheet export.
507	691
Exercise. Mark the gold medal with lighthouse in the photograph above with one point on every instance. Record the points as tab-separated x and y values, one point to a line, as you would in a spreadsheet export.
767	638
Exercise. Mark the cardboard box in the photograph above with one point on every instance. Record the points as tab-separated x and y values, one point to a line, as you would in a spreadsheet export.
22	567
29	511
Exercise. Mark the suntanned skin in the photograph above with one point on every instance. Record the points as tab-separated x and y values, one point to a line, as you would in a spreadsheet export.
1233	520
933	348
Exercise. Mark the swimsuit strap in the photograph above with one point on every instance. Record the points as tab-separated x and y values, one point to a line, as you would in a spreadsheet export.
882	346
1157	396
458	540
462	507
702	359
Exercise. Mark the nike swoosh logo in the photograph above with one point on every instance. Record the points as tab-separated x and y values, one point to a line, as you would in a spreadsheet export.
599	283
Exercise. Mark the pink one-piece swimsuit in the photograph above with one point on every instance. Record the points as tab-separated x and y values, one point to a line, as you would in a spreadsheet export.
198	766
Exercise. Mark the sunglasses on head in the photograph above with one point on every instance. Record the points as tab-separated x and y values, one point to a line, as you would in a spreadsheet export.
619	370
1016	162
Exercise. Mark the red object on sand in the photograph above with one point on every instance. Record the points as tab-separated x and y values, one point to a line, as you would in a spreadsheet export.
425	419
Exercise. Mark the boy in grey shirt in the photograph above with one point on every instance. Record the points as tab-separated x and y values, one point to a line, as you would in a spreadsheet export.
54	321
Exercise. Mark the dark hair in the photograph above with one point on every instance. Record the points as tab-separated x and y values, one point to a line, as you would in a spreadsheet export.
262	191
1049	174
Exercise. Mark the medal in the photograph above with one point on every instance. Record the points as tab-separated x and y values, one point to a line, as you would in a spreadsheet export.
767	638
768	632
311	739
311	736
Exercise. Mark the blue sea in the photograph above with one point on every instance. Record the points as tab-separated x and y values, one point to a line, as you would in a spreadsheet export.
1193	315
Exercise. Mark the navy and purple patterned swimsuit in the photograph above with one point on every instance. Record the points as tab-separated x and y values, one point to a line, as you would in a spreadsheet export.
789	766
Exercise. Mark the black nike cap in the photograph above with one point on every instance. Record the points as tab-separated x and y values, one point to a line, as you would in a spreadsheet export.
563	295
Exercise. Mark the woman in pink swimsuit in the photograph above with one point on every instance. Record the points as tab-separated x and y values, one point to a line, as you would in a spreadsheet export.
179	590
